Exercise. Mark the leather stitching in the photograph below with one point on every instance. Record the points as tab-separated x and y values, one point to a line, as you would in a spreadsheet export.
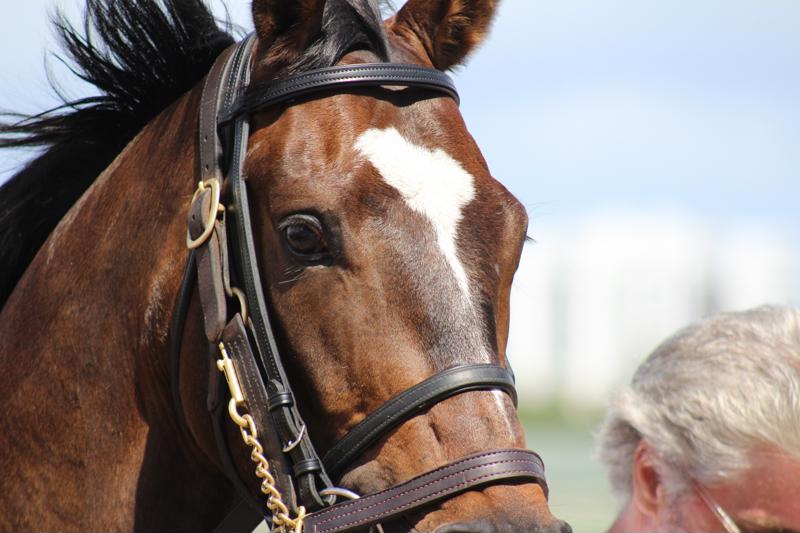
432	496
250	379
361	505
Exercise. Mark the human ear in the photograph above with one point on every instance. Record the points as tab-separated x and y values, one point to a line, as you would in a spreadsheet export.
648	492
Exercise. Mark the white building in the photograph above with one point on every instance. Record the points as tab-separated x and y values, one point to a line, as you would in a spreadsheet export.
590	301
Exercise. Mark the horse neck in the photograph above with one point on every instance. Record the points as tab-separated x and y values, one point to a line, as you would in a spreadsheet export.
84	335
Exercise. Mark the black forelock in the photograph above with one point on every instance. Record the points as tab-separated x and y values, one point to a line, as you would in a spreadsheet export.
347	26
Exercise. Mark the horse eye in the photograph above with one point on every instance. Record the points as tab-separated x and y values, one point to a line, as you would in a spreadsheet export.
304	237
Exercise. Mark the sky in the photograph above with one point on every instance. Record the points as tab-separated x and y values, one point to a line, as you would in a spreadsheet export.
581	106
689	106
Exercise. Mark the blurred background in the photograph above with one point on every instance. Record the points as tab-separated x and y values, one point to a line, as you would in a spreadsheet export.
656	146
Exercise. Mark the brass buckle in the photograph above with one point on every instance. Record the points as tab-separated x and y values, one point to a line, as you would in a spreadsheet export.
211	216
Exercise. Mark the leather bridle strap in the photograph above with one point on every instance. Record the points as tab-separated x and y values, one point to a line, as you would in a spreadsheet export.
342	77
309	477
468	473
410	403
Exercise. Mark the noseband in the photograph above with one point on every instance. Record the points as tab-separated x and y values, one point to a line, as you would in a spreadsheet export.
256	394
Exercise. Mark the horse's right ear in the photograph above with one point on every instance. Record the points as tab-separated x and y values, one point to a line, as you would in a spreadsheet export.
286	27
447	29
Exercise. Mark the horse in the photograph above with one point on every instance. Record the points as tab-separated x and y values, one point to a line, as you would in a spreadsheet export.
386	247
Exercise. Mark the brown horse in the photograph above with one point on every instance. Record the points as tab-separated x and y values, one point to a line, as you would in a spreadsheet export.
416	244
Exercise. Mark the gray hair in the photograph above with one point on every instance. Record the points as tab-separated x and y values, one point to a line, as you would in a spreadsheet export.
708	396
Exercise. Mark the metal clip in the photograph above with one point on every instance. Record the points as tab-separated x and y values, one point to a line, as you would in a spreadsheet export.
225	365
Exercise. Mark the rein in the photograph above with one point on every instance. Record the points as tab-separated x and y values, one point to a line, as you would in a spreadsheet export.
256	394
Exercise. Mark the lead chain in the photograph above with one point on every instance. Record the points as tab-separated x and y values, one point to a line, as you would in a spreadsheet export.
281	518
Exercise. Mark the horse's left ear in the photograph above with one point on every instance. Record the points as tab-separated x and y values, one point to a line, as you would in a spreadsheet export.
447	29
288	27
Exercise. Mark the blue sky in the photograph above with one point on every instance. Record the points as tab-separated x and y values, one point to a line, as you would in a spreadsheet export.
680	106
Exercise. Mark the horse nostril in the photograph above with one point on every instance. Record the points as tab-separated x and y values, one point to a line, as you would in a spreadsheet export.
564	527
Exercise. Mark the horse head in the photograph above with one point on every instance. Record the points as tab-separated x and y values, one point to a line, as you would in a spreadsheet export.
387	247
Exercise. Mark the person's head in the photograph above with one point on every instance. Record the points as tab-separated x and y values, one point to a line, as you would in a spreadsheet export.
710	426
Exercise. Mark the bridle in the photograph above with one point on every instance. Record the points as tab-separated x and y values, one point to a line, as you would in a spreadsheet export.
243	347
299	486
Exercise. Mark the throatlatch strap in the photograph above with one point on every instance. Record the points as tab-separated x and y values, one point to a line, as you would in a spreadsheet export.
471	472
176	327
411	402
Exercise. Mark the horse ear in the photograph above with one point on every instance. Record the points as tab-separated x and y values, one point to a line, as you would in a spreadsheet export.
447	29
288	27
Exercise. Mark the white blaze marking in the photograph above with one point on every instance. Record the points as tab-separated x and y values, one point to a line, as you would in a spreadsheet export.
431	182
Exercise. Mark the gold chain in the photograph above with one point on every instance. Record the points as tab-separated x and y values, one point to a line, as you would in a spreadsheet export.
280	513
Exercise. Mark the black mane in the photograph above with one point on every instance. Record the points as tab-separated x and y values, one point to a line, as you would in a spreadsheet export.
141	55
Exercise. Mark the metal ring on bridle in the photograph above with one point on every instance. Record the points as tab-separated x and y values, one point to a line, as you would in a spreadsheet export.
211	217
340	492
291	445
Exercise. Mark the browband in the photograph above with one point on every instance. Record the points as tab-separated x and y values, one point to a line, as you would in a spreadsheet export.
341	77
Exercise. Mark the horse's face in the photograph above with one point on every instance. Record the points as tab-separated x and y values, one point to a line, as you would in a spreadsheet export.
389	252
